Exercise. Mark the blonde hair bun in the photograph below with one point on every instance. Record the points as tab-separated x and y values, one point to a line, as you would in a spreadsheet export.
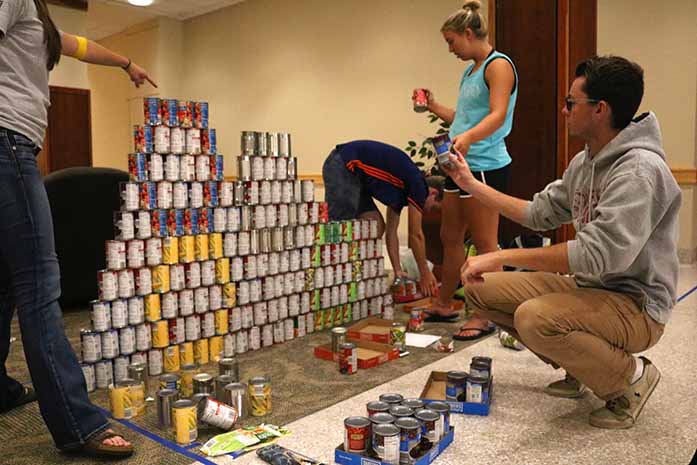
472	5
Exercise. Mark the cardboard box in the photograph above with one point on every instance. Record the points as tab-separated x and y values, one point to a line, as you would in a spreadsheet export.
457	305
370	354
371	329
435	391
351	458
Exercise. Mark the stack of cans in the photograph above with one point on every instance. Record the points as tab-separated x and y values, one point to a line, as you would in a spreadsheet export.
203	267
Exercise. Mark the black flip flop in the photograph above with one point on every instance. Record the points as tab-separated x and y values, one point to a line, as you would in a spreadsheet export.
437	318
480	333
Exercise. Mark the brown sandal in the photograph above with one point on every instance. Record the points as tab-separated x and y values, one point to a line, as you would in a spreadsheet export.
96	447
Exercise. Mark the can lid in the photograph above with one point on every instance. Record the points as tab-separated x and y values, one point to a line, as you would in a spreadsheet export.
357	422
169	377
407	423
386	429
401	411
347	345
167	393
258	380
439	406
182	403
204	377
457	375
382	417
391	398
427	415
413	403
235	387
339	330
477	379
378	405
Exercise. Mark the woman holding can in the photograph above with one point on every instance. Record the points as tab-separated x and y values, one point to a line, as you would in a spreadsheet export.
30	47
478	125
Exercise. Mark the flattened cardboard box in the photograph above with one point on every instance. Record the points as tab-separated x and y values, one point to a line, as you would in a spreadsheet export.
370	354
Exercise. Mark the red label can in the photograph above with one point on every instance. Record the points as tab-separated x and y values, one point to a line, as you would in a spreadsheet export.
348	358
420	100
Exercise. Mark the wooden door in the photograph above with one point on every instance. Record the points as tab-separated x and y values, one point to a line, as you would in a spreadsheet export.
545	39
68	140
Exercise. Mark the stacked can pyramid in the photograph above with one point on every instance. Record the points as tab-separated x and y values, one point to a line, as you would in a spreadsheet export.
203	267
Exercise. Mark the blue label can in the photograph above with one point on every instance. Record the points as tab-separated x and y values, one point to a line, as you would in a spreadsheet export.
170	113
210	194
213	141
151	109
137	167
159	223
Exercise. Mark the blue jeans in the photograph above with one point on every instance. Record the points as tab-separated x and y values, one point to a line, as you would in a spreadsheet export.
30	282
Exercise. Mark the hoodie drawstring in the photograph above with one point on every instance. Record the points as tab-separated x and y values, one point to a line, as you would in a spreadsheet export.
590	194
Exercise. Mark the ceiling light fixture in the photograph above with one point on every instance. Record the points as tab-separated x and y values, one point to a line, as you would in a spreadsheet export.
140	2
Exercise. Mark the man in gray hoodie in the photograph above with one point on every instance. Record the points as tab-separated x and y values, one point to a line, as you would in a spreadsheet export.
623	202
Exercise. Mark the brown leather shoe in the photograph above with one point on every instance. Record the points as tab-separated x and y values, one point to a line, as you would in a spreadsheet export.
567	388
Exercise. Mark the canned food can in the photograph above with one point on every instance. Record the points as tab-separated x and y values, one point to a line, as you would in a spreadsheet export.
276	192
100	315
171	359
193	145
172	168
177	330
156	168
242	341
137	167
261	144
282	172
160	334
248	143
126	399
152	307
269	170
201	300
348	358
127	285
284	146
215	245
210	194
244	168
227	194
200	114
124	226
143	337
162	139
104	374
115	255
356	434
260	396
151	111
91	343
251	192
206	142
257	168
88	373
201	352
136	311
215	297
185	420
177	141
165	400
143	139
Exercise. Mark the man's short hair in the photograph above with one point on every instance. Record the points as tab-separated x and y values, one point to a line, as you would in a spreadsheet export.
438	183
617	81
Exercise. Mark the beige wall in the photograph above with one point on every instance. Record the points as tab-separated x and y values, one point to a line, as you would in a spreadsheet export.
333	71
664	42
69	72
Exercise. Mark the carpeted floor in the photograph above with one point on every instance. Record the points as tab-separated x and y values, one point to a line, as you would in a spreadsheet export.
301	385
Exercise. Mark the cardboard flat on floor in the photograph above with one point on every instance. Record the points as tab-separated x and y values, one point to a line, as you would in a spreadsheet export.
370	354
425	302
434	390
371	329
352	458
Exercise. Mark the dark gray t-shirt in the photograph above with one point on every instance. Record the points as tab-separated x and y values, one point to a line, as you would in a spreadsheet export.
24	95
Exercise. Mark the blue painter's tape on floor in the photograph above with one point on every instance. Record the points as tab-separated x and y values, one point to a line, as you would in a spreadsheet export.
682	297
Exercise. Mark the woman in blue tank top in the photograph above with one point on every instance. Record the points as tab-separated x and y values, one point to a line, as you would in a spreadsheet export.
478	125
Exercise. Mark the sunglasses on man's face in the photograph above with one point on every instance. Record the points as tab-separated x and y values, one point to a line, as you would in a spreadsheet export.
570	102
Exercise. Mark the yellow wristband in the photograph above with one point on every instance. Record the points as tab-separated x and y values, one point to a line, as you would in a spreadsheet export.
81	48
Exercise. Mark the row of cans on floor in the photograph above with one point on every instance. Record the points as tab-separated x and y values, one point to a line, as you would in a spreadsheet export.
212	294
155	167
175	113
144	224
265	144
295	243
150	195
165	140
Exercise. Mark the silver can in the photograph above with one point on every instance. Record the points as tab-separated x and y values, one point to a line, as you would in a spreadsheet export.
243	243
272	144
244	168
246	218
177	140
236	395
156	167
262	144
203	168
292	168
143	225
172	168
165	399
100	315
239	193
248	143
88	373
193	141
124	225
284	147
91	343
226	192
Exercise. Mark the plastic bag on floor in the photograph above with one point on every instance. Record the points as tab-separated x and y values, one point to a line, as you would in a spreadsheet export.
509	341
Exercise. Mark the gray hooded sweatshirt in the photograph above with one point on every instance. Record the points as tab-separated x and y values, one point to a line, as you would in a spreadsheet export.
624	205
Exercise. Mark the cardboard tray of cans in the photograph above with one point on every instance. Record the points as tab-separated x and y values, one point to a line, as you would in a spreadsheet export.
352	458
371	329
434	390
370	354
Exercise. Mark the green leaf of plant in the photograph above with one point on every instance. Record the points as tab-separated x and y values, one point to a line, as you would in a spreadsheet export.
412	143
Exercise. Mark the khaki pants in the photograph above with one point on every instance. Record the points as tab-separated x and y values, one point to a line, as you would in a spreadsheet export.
589	332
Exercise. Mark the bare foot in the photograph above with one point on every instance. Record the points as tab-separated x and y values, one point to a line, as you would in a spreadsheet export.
116	441
439	308
474	327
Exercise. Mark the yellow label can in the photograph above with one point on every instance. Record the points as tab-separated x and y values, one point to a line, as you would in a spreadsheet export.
221	321
187	379
171	357
215	245
201	247
222	270
160	334
153	307
229	295
170	250
184	420
186	353
201	355
186	249
215	346
160	279
120	401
